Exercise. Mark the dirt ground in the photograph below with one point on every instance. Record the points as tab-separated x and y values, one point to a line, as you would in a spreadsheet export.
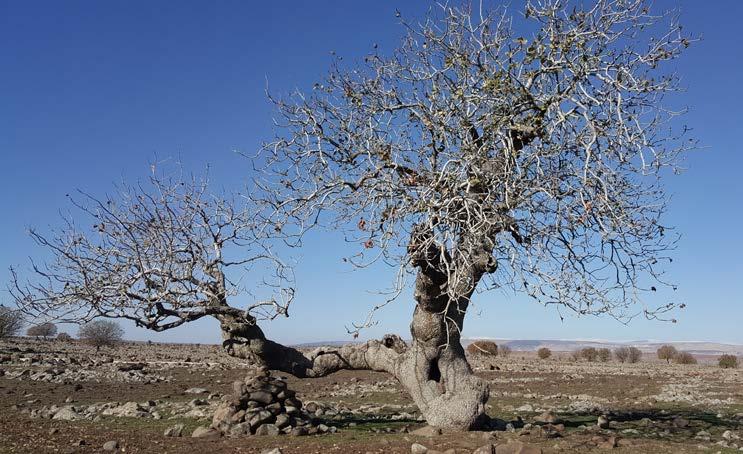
649	407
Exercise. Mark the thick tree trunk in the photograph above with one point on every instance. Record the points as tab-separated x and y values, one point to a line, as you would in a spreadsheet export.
433	369
436	375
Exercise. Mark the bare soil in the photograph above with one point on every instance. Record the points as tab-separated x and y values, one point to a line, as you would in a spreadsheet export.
652	407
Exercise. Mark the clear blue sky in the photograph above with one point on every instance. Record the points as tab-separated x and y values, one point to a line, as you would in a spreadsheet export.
92	91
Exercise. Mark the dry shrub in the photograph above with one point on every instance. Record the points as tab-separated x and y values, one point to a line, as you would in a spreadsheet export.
728	361
589	354
100	333
604	354
544	353
483	347
11	322
44	330
64	337
628	354
667	352
685	358
505	351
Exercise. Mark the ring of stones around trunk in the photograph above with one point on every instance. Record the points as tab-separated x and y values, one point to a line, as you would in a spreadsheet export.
263	405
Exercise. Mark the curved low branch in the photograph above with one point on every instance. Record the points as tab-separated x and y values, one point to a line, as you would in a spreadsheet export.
243	338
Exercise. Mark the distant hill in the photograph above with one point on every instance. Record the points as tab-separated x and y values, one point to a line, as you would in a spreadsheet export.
700	348
566	345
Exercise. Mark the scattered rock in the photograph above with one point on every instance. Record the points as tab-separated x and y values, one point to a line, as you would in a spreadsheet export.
427	431
417	448
205	432
111	446
547	417
196	391
603	422
175	431
267	430
680	422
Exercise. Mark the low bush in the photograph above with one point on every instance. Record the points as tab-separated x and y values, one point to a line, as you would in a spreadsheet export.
685	358
728	361
544	353
483	347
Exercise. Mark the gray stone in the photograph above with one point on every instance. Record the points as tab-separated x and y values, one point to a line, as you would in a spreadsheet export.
267	430
67	413
261	397
282	421
196	391
417	448
547	417
205	432
240	429
261	417
730	435
175	431
603	422
111	446
298	431
680	422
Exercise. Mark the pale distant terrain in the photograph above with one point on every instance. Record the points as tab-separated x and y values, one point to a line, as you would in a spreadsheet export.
566	345
647	346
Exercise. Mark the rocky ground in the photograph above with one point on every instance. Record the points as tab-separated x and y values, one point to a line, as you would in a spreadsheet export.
66	397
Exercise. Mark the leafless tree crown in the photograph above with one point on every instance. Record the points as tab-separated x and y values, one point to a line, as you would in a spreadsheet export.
11	322
101	333
155	253
534	158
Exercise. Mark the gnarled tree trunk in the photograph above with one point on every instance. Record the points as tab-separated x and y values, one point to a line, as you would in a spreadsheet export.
433	369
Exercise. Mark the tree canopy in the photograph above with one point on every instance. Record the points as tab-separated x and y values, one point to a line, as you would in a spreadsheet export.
532	158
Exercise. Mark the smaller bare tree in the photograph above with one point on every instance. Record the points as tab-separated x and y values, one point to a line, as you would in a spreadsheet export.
505	351
685	358
590	354
44	330
101	333
11	322
628	354
728	361
483	347
635	355
667	352
544	353
604	354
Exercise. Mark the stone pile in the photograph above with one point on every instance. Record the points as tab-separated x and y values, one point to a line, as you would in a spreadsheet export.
263	405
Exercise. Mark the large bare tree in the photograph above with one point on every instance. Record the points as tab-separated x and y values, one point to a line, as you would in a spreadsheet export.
472	157
477	156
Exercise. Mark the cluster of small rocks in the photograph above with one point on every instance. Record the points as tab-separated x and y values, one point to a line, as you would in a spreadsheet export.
153	409
66	375
262	405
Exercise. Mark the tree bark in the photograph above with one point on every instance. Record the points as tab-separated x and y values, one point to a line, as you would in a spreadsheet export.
433	369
